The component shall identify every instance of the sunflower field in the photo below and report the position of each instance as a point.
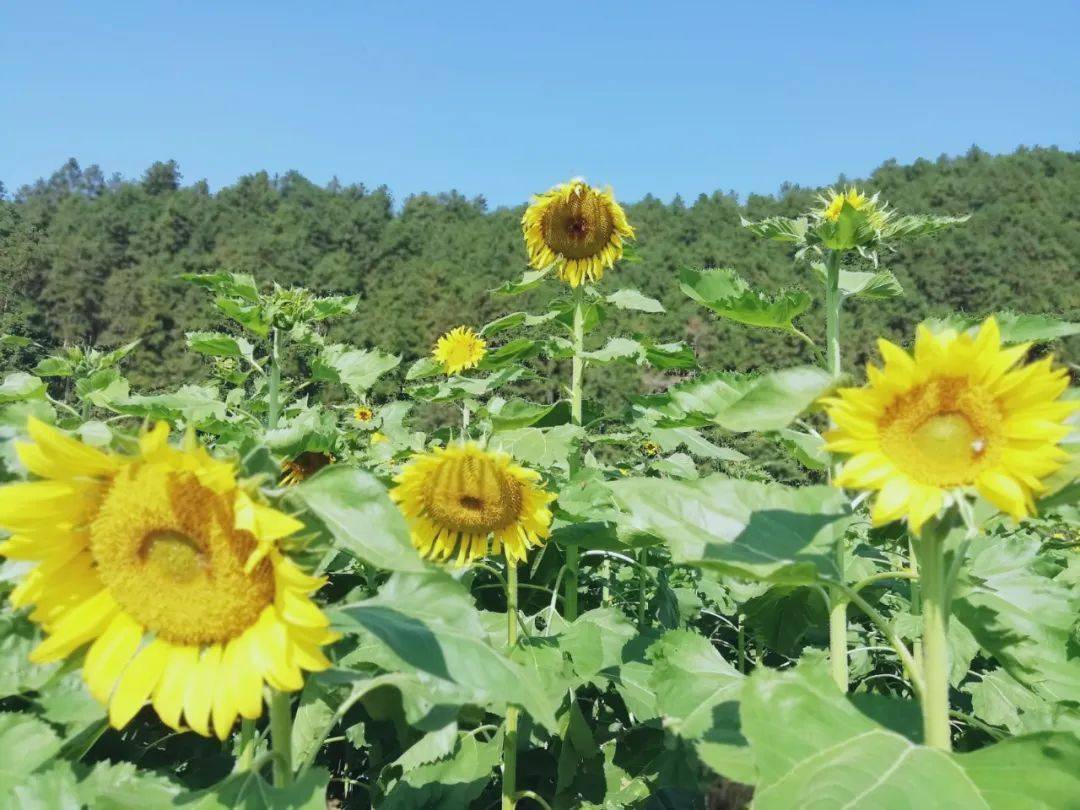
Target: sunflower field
(325, 578)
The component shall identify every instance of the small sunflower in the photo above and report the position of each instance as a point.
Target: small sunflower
(168, 572)
(960, 414)
(456, 498)
(301, 468)
(834, 201)
(362, 413)
(651, 449)
(577, 228)
(460, 349)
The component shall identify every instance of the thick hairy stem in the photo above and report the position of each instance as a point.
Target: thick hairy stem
(273, 384)
(935, 645)
(281, 737)
(510, 734)
(247, 745)
(570, 596)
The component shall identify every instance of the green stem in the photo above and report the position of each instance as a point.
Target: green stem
(510, 735)
(741, 642)
(913, 671)
(247, 745)
(916, 596)
(281, 737)
(273, 385)
(832, 312)
(570, 598)
(935, 645)
(643, 581)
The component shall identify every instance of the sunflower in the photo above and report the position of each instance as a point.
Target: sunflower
(834, 201)
(961, 414)
(460, 349)
(650, 449)
(577, 228)
(456, 498)
(301, 468)
(168, 572)
(362, 413)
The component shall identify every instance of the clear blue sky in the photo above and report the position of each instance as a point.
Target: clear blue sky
(507, 98)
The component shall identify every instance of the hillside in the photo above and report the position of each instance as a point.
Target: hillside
(87, 260)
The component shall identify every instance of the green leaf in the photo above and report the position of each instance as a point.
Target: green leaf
(634, 300)
(357, 511)
(18, 385)
(194, 403)
(515, 351)
(120, 786)
(539, 447)
(454, 782)
(667, 356)
(455, 388)
(312, 430)
(246, 791)
(104, 388)
(814, 748)
(428, 623)
(426, 366)
(1025, 619)
(529, 280)
(55, 367)
(741, 403)
(250, 316)
(729, 296)
(219, 344)
(878, 285)
(356, 369)
(1015, 328)
(808, 448)
(52, 789)
(905, 227)
(26, 744)
(697, 692)
(519, 413)
(514, 320)
(780, 229)
(15, 341)
(617, 348)
(742, 528)
(595, 640)
(314, 717)
(671, 439)
(239, 285)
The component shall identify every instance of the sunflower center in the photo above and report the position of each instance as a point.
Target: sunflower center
(471, 494)
(942, 433)
(174, 555)
(167, 550)
(579, 227)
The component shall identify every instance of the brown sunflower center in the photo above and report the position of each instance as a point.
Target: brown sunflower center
(471, 494)
(942, 433)
(168, 552)
(579, 227)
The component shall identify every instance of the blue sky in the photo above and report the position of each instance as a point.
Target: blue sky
(504, 98)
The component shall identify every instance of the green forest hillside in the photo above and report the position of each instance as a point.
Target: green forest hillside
(92, 261)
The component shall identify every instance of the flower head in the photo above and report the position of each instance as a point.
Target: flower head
(650, 448)
(959, 414)
(577, 228)
(303, 467)
(463, 499)
(460, 349)
(362, 413)
(168, 572)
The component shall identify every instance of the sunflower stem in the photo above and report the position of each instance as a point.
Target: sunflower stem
(570, 599)
(510, 735)
(935, 645)
(281, 737)
(642, 584)
(273, 384)
(832, 312)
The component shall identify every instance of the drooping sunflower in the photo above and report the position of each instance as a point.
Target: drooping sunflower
(168, 572)
(301, 468)
(961, 414)
(464, 499)
(576, 227)
(460, 349)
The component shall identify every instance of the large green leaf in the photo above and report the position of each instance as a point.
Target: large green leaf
(539, 447)
(219, 344)
(26, 744)
(248, 791)
(745, 528)
(19, 386)
(357, 511)
(428, 623)
(697, 693)
(728, 295)
(740, 403)
(863, 284)
(815, 748)
(632, 299)
(595, 640)
(781, 229)
(1023, 617)
(1015, 327)
(356, 369)
(193, 403)
(452, 782)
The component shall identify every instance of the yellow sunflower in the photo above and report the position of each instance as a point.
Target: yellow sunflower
(460, 349)
(458, 498)
(959, 415)
(577, 228)
(362, 413)
(168, 572)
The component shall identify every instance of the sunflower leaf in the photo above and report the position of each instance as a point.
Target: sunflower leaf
(728, 295)
(356, 369)
(634, 300)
